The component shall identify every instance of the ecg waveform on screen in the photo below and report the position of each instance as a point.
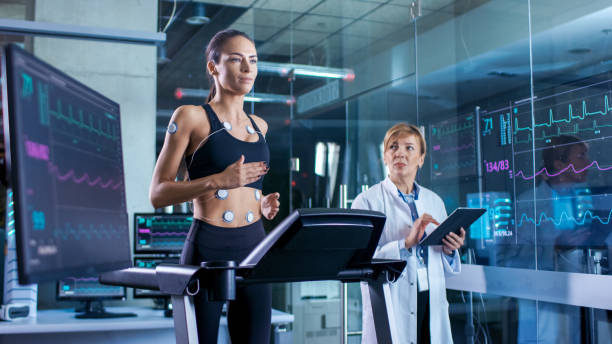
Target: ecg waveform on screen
(568, 167)
(84, 178)
(585, 116)
(567, 118)
(162, 233)
(453, 152)
(564, 216)
(86, 286)
(41, 152)
(455, 128)
(81, 120)
(575, 130)
(88, 232)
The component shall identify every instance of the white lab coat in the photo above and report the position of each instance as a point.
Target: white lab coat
(384, 197)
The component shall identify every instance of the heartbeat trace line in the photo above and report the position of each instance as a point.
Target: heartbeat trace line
(81, 122)
(564, 214)
(544, 170)
(569, 118)
(595, 128)
(453, 128)
(84, 178)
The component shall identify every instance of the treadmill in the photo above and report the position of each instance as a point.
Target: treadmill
(309, 245)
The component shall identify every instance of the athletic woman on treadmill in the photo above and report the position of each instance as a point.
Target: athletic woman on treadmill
(227, 155)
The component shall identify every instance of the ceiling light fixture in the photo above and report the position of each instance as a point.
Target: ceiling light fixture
(162, 58)
(286, 69)
(199, 15)
(255, 97)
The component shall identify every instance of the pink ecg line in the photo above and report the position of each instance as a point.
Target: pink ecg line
(544, 170)
(84, 178)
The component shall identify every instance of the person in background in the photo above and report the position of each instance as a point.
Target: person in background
(557, 237)
(418, 297)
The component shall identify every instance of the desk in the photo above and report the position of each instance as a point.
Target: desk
(148, 327)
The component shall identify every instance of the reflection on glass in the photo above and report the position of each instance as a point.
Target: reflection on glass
(516, 100)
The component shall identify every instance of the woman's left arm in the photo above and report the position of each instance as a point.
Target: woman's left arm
(453, 242)
(269, 203)
(450, 252)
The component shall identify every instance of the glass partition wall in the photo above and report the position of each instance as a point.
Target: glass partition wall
(514, 98)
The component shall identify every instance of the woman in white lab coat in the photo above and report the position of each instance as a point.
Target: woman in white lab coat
(418, 297)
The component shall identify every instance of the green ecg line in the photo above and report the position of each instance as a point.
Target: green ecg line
(569, 118)
(576, 130)
(455, 128)
(80, 122)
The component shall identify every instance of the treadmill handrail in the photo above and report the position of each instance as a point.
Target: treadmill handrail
(170, 279)
(142, 278)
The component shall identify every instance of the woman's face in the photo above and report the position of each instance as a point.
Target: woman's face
(403, 156)
(237, 67)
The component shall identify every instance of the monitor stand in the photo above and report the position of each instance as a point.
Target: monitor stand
(93, 309)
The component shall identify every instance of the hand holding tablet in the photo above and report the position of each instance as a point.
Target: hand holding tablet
(461, 217)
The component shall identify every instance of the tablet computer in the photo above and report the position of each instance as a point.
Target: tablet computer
(461, 217)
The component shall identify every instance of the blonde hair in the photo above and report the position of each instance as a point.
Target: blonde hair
(402, 129)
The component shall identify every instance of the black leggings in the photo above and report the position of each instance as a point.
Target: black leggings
(248, 316)
(423, 317)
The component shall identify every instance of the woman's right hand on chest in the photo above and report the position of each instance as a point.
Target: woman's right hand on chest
(241, 174)
(418, 228)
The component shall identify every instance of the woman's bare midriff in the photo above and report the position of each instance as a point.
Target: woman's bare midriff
(240, 201)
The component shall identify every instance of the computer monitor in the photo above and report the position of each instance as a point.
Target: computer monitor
(89, 290)
(160, 233)
(161, 300)
(151, 263)
(65, 160)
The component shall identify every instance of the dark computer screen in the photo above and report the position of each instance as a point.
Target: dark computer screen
(161, 233)
(66, 170)
(151, 263)
(87, 288)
